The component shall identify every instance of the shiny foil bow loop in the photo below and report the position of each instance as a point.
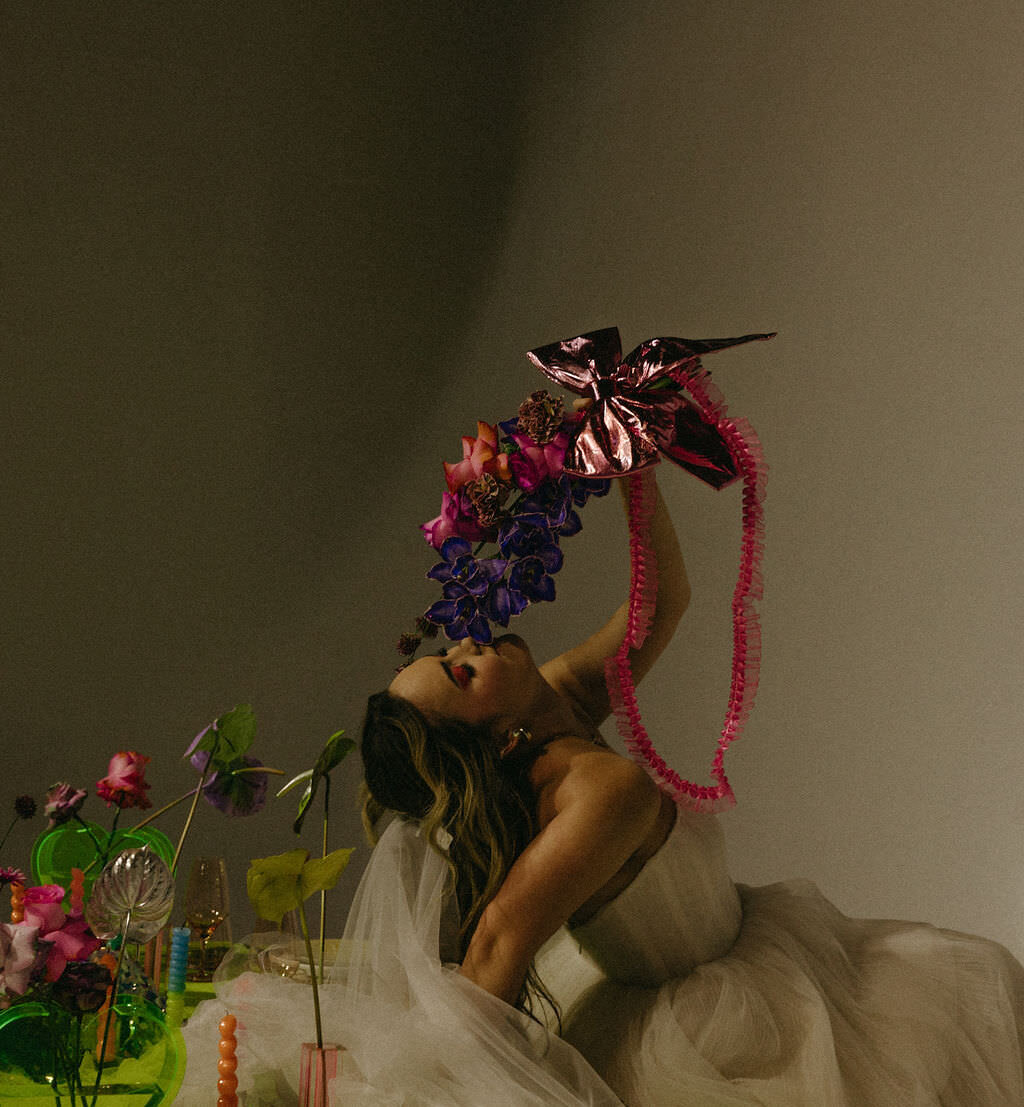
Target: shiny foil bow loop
(639, 410)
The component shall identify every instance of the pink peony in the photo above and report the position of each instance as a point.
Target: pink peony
(125, 783)
(479, 456)
(533, 464)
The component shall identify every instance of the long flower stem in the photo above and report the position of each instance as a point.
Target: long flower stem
(316, 999)
(3, 841)
(110, 1009)
(88, 829)
(192, 791)
(323, 891)
(190, 815)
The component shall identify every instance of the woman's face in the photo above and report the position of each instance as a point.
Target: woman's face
(476, 684)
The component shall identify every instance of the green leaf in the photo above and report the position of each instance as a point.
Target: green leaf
(334, 752)
(321, 874)
(295, 781)
(236, 731)
(274, 884)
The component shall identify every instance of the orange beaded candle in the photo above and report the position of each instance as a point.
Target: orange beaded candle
(227, 1084)
(17, 903)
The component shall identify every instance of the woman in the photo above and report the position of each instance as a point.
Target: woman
(689, 990)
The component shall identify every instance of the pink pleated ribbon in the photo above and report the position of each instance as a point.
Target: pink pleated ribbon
(635, 438)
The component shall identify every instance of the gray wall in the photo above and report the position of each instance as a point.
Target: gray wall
(264, 264)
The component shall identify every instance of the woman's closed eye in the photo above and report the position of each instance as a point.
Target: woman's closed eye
(459, 675)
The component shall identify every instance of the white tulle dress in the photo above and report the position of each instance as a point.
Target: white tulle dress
(685, 991)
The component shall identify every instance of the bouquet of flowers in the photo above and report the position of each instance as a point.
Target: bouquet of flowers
(51, 960)
(510, 491)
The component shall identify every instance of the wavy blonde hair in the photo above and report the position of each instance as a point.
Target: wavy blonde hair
(450, 777)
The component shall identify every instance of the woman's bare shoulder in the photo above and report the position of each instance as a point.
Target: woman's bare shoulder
(574, 771)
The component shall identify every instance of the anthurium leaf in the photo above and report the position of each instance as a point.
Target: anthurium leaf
(334, 752)
(320, 874)
(295, 781)
(274, 884)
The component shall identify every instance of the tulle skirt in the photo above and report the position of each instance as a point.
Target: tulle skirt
(814, 1009)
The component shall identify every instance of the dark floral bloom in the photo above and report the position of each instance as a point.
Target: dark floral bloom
(541, 416)
(408, 644)
(25, 807)
(464, 615)
(62, 803)
(551, 506)
(488, 497)
(530, 582)
(234, 792)
(425, 628)
(82, 987)
(585, 487)
(10, 875)
(473, 575)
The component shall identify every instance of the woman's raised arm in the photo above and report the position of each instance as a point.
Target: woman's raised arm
(579, 672)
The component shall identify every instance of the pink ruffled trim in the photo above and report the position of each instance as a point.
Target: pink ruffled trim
(746, 660)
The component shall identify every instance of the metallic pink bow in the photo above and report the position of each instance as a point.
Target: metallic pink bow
(638, 410)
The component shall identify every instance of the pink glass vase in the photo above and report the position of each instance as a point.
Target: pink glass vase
(317, 1069)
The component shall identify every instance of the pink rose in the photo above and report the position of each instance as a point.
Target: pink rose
(43, 907)
(125, 783)
(533, 464)
(479, 455)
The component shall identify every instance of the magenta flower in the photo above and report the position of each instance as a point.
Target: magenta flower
(67, 937)
(9, 875)
(125, 783)
(533, 464)
(458, 518)
(62, 803)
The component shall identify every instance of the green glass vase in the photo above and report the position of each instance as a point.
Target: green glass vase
(77, 845)
(48, 1055)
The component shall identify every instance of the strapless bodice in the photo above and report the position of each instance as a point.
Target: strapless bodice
(681, 911)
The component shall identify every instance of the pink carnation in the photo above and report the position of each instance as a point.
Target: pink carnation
(125, 783)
